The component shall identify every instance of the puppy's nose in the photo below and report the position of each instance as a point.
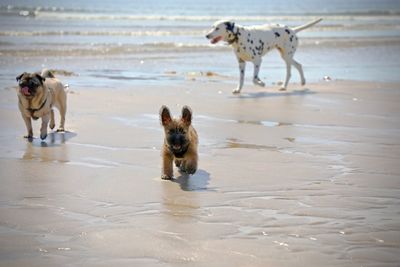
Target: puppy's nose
(208, 36)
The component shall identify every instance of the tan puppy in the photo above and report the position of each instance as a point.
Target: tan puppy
(37, 95)
(180, 143)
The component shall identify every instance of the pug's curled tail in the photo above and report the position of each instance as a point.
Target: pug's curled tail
(47, 74)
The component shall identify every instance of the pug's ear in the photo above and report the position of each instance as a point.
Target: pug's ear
(40, 77)
(186, 115)
(18, 78)
(165, 116)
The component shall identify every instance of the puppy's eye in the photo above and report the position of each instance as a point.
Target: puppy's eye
(181, 131)
(217, 28)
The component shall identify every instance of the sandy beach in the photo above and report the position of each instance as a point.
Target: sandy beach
(307, 177)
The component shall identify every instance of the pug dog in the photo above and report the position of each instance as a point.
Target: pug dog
(37, 95)
(180, 143)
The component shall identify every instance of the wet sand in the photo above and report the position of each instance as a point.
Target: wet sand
(307, 177)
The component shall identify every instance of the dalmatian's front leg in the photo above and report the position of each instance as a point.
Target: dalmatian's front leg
(242, 67)
(256, 80)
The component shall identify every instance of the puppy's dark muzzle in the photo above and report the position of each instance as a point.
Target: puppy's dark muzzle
(179, 153)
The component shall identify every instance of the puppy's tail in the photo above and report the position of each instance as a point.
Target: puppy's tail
(305, 26)
(47, 74)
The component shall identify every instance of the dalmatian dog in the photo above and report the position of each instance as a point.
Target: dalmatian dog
(253, 42)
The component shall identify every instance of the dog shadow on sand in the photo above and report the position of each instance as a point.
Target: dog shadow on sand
(196, 182)
(53, 139)
(300, 92)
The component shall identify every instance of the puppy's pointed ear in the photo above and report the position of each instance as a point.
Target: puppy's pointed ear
(186, 115)
(18, 78)
(165, 116)
(40, 78)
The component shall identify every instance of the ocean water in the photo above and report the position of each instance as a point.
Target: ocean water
(132, 41)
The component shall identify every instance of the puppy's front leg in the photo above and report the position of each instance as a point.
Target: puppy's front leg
(28, 124)
(167, 170)
(256, 79)
(242, 67)
(45, 123)
(190, 166)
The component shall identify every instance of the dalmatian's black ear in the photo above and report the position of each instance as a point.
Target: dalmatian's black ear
(230, 26)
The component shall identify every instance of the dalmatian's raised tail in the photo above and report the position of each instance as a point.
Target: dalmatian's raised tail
(305, 26)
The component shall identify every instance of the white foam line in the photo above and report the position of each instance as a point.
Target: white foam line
(209, 118)
(110, 147)
(270, 123)
(90, 165)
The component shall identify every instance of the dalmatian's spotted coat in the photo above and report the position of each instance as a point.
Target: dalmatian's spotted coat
(252, 43)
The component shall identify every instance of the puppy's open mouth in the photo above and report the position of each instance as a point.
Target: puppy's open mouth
(216, 39)
(25, 91)
(176, 147)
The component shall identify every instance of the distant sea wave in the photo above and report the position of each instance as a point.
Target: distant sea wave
(186, 31)
(81, 14)
(102, 33)
(161, 48)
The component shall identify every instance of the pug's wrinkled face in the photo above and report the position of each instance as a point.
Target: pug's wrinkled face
(29, 83)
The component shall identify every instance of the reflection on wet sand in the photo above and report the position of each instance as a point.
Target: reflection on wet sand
(183, 201)
(51, 149)
(256, 95)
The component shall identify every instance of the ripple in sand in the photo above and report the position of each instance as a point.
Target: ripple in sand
(281, 243)
(112, 148)
(144, 121)
(268, 123)
(95, 163)
(206, 118)
(235, 143)
(64, 249)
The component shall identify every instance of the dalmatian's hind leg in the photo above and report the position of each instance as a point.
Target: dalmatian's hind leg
(299, 67)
